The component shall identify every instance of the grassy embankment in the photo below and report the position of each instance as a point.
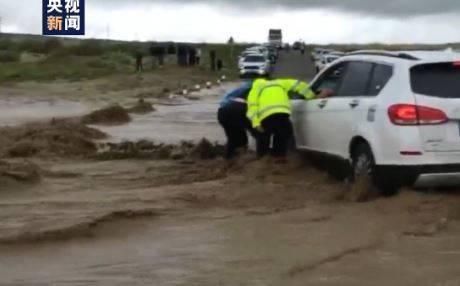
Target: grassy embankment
(37, 58)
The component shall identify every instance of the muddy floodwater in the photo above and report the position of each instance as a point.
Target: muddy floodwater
(74, 219)
(171, 124)
(18, 111)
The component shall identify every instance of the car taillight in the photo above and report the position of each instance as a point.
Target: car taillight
(410, 114)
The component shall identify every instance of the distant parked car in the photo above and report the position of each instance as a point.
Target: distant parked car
(393, 119)
(244, 55)
(318, 53)
(325, 61)
(297, 46)
(255, 65)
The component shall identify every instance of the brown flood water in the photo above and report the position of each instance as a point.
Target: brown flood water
(141, 222)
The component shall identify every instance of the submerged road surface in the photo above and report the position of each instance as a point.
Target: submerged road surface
(256, 227)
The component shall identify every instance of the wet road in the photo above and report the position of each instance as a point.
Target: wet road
(282, 237)
(295, 65)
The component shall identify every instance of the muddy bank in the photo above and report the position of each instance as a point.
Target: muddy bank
(58, 137)
(145, 149)
(142, 107)
(114, 114)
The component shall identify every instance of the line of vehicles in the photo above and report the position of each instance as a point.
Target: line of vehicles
(257, 60)
(324, 57)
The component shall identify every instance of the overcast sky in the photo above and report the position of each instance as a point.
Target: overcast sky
(317, 21)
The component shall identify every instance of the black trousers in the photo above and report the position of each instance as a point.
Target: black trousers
(279, 128)
(232, 118)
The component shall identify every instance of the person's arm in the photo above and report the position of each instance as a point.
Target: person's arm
(305, 90)
(299, 87)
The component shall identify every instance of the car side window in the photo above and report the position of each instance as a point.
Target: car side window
(331, 78)
(356, 79)
(380, 77)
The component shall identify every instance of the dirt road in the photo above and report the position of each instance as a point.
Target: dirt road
(201, 222)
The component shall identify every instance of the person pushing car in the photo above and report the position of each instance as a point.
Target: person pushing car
(269, 110)
(232, 117)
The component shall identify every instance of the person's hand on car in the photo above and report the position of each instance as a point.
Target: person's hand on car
(325, 93)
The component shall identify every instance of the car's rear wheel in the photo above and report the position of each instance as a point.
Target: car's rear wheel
(366, 179)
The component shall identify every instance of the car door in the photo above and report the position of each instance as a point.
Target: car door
(365, 112)
(307, 115)
(337, 117)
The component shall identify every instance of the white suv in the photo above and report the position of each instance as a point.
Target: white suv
(394, 117)
(255, 65)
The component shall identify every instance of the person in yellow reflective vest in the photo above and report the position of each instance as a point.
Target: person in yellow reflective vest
(269, 109)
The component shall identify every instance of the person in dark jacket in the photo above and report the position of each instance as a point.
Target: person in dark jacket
(212, 56)
(139, 66)
(232, 117)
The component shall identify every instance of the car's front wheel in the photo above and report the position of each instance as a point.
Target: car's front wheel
(366, 178)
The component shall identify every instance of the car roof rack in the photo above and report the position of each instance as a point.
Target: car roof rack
(398, 55)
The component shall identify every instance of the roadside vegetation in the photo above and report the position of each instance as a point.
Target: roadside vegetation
(37, 58)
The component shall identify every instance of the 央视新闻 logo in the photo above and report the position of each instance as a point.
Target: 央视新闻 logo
(63, 17)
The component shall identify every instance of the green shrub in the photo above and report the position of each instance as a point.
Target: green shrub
(102, 64)
(52, 44)
(5, 44)
(10, 56)
(87, 48)
(120, 58)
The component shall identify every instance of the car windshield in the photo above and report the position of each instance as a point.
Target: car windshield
(438, 79)
(254, 59)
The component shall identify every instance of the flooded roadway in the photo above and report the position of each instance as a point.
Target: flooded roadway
(317, 245)
(176, 121)
(19, 111)
(280, 227)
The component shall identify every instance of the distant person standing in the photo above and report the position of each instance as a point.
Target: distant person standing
(192, 56)
(161, 56)
(198, 56)
(139, 65)
(220, 64)
(181, 55)
(212, 56)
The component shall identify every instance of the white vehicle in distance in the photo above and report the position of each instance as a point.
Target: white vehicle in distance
(244, 55)
(255, 65)
(318, 53)
(260, 50)
(393, 119)
(325, 61)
